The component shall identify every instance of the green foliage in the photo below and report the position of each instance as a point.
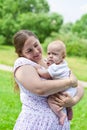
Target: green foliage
(80, 27)
(23, 6)
(49, 39)
(34, 15)
(66, 28)
(2, 39)
(39, 24)
(10, 11)
(8, 28)
(75, 46)
(29, 14)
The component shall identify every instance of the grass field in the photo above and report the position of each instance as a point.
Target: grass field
(79, 121)
(7, 55)
(10, 102)
(11, 106)
(77, 65)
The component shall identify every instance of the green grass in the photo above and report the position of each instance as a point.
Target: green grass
(77, 65)
(9, 101)
(10, 105)
(7, 55)
(79, 121)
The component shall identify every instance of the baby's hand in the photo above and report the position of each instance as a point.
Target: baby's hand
(38, 69)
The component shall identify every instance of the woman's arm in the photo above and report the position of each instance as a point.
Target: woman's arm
(28, 77)
(79, 95)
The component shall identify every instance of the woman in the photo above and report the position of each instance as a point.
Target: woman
(34, 91)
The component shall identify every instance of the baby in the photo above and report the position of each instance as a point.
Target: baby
(57, 69)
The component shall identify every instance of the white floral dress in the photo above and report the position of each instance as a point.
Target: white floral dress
(36, 113)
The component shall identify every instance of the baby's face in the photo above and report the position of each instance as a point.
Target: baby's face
(54, 54)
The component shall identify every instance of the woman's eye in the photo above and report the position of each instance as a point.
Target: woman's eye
(30, 50)
(36, 45)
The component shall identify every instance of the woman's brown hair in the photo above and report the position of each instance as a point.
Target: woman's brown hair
(19, 41)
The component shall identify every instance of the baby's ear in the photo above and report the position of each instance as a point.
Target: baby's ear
(64, 54)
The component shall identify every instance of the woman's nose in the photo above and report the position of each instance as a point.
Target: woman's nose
(35, 50)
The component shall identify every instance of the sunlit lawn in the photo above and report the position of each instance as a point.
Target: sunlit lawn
(10, 105)
(77, 65)
(79, 121)
(9, 101)
(7, 55)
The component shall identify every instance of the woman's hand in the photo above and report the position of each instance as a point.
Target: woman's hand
(61, 99)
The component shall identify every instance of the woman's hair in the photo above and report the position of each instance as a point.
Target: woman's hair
(19, 40)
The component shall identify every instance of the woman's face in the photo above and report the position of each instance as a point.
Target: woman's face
(32, 49)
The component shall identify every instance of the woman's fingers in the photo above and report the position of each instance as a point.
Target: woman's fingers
(55, 100)
(61, 99)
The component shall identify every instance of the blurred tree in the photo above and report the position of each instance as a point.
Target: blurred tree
(80, 27)
(22, 6)
(27, 14)
(66, 28)
(42, 24)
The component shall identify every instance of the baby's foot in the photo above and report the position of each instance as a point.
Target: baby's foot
(62, 118)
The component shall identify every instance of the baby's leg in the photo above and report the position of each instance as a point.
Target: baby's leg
(60, 114)
(62, 117)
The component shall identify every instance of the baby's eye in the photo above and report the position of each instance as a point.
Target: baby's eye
(54, 54)
(48, 53)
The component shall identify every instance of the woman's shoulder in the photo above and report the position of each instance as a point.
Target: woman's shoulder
(23, 61)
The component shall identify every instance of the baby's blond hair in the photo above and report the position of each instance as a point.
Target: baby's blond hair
(61, 46)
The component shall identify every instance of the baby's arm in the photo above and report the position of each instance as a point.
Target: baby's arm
(43, 73)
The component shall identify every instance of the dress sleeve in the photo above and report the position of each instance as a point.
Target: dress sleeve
(23, 61)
